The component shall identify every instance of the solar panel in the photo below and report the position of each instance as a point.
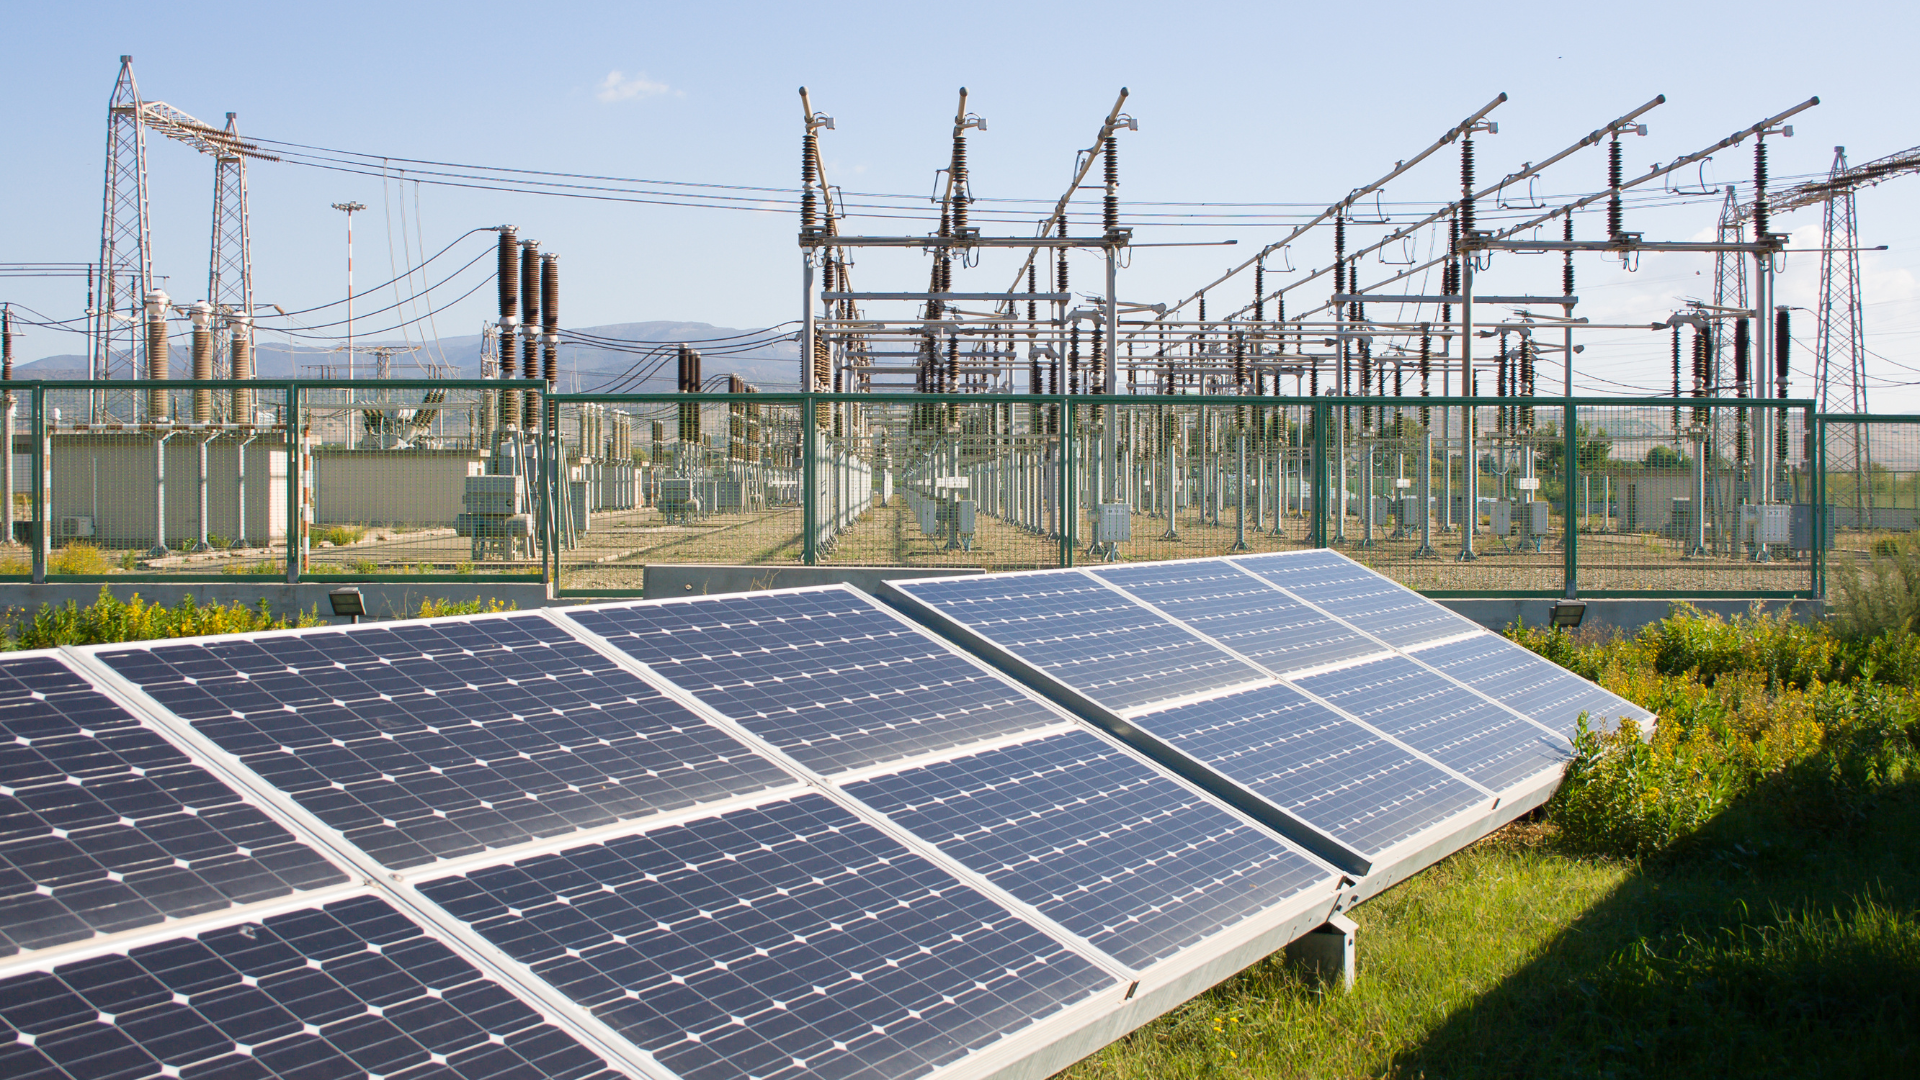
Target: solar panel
(1242, 612)
(785, 939)
(442, 738)
(1085, 635)
(1530, 683)
(1433, 714)
(106, 826)
(1116, 851)
(351, 989)
(1366, 792)
(1346, 590)
(822, 674)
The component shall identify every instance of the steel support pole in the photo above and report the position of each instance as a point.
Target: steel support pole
(1570, 455)
(1468, 466)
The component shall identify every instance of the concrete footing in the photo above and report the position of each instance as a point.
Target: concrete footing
(1327, 952)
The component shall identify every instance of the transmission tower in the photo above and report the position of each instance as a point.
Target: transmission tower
(1840, 367)
(230, 265)
(126, 260)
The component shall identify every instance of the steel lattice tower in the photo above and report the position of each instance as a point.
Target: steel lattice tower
(126, 259)
(230, 263)
(1729, 289)
(1840, 383)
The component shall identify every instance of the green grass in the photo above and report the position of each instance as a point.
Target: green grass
(1734, 896)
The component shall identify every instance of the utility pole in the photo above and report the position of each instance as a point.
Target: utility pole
(348, 208)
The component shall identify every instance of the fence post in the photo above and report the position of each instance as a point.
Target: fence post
(809, 504)
(1817, 435)
(1317, 530)
(1069, 500)
(296, 477)
(41, 518)
(552, 466)
(1570, 474)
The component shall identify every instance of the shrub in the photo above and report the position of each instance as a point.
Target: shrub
(339, 535)
(1880, 596)
(431, 608)
(264, 567)
(364, 566)
(108, 620)
(77, 557)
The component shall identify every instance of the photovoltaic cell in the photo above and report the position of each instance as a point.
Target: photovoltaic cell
(440, 739)
(1442, 719)
(1349, 591)
(105, 826)
(785, 940)
(353, 989)
(1323, 768)
(1097, 840)
(1242, 612)
(1531, 683)
(1084, 634)
(823, 675)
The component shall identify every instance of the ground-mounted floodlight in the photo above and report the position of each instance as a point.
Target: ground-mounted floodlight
(347, 603)
(1566, 614)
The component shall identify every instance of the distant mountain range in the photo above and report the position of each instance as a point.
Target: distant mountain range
(772, 366)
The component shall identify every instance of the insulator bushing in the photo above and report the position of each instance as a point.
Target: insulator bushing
(1110, 202)
(1259, 293)
(1466, 183)
(1740, 362)
(1615, 175)
(809, 172)
(509, 277)
(1760, 189)
(1566, 268)
(959, 178)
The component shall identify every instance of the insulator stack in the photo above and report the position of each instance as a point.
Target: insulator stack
(1566, 268)
(550, 316)
(689, 384)
(1073, 359)
(1501, 389)
(1240, 363)
(959, 180)
(529, 332)
(1339, 253)
(952, 384)
(1615, 176)
(1097, 369)
(1740, 362)
(240, 349)
(1466, 184)
(1701, 354)
(1450, 277)
(1782, 337)
(1526, 383)
(1110, 202)
(1760, 189)
(203, 361)
(1426, 371)
(509, 278)
(1060, 264)
(1676, 379)
(822, 377)
(6, 345)
(1033, 310)
(809, 179)
(1259, 293)
(156, 354)
(1034, 385)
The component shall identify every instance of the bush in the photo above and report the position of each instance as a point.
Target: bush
(364, 567)
(77, 557)
(431, 608)
(339, 535)
(265, 567)
(1883, 595)
(108, 620)
(1788, 723)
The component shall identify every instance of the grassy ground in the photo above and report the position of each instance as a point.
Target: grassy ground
(1735, 896)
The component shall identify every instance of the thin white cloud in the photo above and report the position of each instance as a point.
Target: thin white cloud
(618, 86)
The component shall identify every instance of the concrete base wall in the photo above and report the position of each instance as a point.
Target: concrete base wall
(696, 579)
(1626, 615)
(394, 600)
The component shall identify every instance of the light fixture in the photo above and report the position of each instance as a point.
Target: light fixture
(347, 603)
(1566, 614)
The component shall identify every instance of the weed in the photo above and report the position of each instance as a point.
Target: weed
(263, 568)
(129, 560)
(108, 619)
(364, 567)
(431, 608)
(339, 535)
(1882, 595)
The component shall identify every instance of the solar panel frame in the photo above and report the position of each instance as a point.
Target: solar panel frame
(186, 731)
(1513, 662)
(1424, 621)
(239, 811)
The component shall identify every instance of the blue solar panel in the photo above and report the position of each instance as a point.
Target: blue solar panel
(1085, 635)
(1097, 840)
(821, 674)
(1242, 612)
(105, 826)
(1346, 590)
(1335, 775)
(1442, 719)
(1531, 683)
(785, 940)
(439, 739)
(353, 989)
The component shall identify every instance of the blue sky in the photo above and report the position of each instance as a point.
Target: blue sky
(1237, 103)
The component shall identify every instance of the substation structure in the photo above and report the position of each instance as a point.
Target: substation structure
(1177, 418)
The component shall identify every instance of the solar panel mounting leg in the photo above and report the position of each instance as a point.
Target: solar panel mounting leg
(1327, 952)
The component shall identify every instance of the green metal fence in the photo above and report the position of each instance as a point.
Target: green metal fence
(487, 481)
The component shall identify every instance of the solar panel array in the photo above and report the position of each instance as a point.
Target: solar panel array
(1347, 706)
(771, 835)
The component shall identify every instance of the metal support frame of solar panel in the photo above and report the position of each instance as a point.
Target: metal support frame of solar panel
(1066, 1035)
(106, 807)
(1247, 627)
(971, 793)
